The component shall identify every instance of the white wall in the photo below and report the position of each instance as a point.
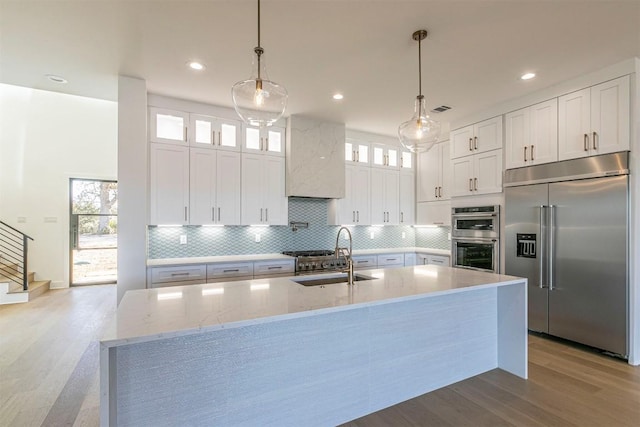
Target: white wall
(45, 139)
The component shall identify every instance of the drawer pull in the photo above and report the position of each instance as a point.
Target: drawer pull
(234, 270)
(362, 262)
(275, 267)
(179, 274)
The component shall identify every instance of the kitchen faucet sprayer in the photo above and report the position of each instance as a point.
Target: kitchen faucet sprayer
(346, 254)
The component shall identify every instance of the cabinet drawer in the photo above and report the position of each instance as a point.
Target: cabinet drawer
(263, 268)
(409, 260)
(439, 260)
(178, 274)
(390, 259)
(369, 261)
(218, 271)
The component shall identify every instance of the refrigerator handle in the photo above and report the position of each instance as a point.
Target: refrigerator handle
(552, 236)
(542, 224)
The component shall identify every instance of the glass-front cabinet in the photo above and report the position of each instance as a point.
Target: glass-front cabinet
(211, 132)
(356, 152)
(269, 140)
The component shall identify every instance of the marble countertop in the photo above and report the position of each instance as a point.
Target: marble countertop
(150, 314)
(165, 262)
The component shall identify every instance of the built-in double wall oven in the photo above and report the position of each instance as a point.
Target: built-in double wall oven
(475, 237)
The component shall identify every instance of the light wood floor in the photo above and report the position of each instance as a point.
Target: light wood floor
(49, 376)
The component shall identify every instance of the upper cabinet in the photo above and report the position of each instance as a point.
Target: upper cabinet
(407, 198)
(263, 193)
(268, 140)
(356, 152)
(168, 126)
(434, 169)
(594, 120)
(477, 138)
(477, 174)
(355, 207)
(385, 156)
(532, 135)
(169, 184)
(406, 160)
(385, 200)
(211, 132)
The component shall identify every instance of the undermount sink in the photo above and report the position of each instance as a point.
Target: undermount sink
(342, 278)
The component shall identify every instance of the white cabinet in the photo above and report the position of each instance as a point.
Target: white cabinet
(594, 120)
(355, 207)
(274, 268)
(229, 272)
(365, 261)
(434, 170)
(356, 151)
(263, 190)
(407, 198)
(406, 160)
(426, 259)
(409, 259)
(434, 213)
(267, 140)
(477, 138)
(169, 184)
(212, 132)
(532, 135)
(385, 202)
(390, 260)
(215, 188)
(168, 126)
(477, 174)
(385, 156)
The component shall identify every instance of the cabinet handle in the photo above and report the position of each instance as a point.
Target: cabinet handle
(233, 270)
(218, 214)
(219, 138)
(213, 213)
(475, 184)
(475, 142)
(586, 142)
(525, 153)
(402, 217)
(266, 144)
(358, 156)
(185, 134)
(532, 153)
(470, 144)
(185, 213)
(435, 192)
(357, 216)
(470, 184)
(266, 215)
(278, 267)
(594, 141)
(440, 192)
(354, 216)
(179, 274)
(353, 156)
(260, 214)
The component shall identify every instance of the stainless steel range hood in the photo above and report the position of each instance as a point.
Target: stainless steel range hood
(315, 158)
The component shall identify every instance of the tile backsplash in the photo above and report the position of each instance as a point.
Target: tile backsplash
(164, 242)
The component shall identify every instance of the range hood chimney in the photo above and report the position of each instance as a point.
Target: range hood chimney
(315, 158)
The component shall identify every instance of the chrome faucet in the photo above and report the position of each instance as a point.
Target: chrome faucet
(346, 254)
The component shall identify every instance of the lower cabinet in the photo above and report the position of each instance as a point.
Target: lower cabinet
(409, 260)
(365, 261)
(390, 260)
(276, 268)
(229, 272)
(159, 277)
(426, 259)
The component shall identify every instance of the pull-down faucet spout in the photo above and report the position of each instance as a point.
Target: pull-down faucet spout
(346, 254)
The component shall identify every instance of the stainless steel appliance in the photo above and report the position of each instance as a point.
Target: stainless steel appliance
(475, 238)
(567, 232)
(312, 262)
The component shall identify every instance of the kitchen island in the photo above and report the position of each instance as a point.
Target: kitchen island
(275, 352)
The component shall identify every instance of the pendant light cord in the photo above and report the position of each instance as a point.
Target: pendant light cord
(419, 65)
(258, 50)
(259, 23)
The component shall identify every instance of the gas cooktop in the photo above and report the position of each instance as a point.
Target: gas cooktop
(319, 261)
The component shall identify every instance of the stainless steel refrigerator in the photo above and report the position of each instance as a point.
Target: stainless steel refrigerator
(567, 232)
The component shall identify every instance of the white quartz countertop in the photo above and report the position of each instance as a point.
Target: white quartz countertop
(165, 262)
(150, 314)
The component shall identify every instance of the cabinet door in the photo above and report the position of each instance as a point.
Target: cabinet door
(610, 116)
(487, 135)
(228, 188)
(169, 184)
(378, 214)
(253, 140)
(462, 176)
(360, 191)
(344, 209)
(429, 173)
(574, 116)
(392, 196)
(544, 132)
(203, 131)
(273, 189)
(229, 135)
(434, 213)
(356, 151)
(202, 194)
(168, 126)
(518, 133)
(274, 140)
(406, 160)
(407, 198)
(488, 172)
(444, 192)
(462, 142)
(384, 156)
(252, 181)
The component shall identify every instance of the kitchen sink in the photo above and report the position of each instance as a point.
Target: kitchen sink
(342, 278)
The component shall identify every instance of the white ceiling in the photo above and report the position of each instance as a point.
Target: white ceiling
(475, 52)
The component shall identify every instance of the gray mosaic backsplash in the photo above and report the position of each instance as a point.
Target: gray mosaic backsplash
(164, 242)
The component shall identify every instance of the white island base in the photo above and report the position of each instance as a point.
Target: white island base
(273, 352)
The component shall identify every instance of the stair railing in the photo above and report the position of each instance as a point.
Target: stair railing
(13, 255)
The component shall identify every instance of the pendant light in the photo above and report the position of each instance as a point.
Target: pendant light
(420, 132)
(258, 100)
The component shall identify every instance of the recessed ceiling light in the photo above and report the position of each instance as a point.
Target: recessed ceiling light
(195, 65)
(56, 79)
(338, 96)
(528, 76)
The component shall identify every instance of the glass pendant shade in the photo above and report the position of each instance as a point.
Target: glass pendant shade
(259, 101)
(419, 133)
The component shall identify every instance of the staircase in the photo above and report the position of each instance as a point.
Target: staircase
(16, 283)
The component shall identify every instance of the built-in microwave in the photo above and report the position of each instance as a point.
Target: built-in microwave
(475, 238)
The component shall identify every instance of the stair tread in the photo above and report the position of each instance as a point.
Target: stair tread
(32, 287)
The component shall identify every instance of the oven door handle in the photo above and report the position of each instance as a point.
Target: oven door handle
(475, 215)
